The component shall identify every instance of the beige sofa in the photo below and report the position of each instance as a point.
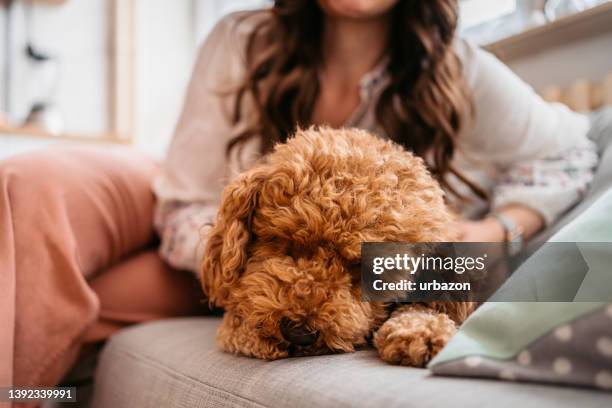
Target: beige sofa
(175, 363)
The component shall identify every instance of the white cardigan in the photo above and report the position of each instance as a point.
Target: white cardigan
(519, 147)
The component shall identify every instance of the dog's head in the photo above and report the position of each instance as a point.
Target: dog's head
(283, 257)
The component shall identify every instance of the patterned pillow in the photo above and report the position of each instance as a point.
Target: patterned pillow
(563, 343)
(577, 352)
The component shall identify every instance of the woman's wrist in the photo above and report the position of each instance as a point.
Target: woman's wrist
(485, 230)
(527, 221)
(495, 231)
(513, 232)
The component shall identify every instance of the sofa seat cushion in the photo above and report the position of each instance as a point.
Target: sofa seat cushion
(175, 363)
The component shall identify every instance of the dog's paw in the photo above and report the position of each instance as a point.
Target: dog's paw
(413, 338)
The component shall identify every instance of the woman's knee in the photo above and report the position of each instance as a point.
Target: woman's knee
(102, 198)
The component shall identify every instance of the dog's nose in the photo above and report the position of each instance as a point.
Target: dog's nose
(297, 334)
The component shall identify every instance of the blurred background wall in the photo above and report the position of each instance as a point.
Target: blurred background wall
(76, 33)
(164, 36)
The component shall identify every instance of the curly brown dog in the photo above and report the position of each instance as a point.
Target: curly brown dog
(283, 257)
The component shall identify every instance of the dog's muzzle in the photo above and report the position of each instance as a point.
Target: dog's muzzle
(296, 334)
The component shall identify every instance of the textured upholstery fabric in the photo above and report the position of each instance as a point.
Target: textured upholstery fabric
(175, 363)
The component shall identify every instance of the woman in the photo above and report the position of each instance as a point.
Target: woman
(510, 162)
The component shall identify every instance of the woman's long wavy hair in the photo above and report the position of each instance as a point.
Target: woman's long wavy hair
(423, 107)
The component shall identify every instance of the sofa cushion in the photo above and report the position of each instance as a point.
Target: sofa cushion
(175, 363)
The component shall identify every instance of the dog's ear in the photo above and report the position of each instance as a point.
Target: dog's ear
(226, 250)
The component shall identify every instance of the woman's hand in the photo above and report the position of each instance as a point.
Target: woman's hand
(486, 230)
(490, 229)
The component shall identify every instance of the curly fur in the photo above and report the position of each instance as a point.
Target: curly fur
(287, 242)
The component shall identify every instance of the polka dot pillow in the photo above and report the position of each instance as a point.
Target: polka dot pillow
(576, 352)
(551, 342)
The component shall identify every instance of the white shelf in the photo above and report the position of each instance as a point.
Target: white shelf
(588, 23)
